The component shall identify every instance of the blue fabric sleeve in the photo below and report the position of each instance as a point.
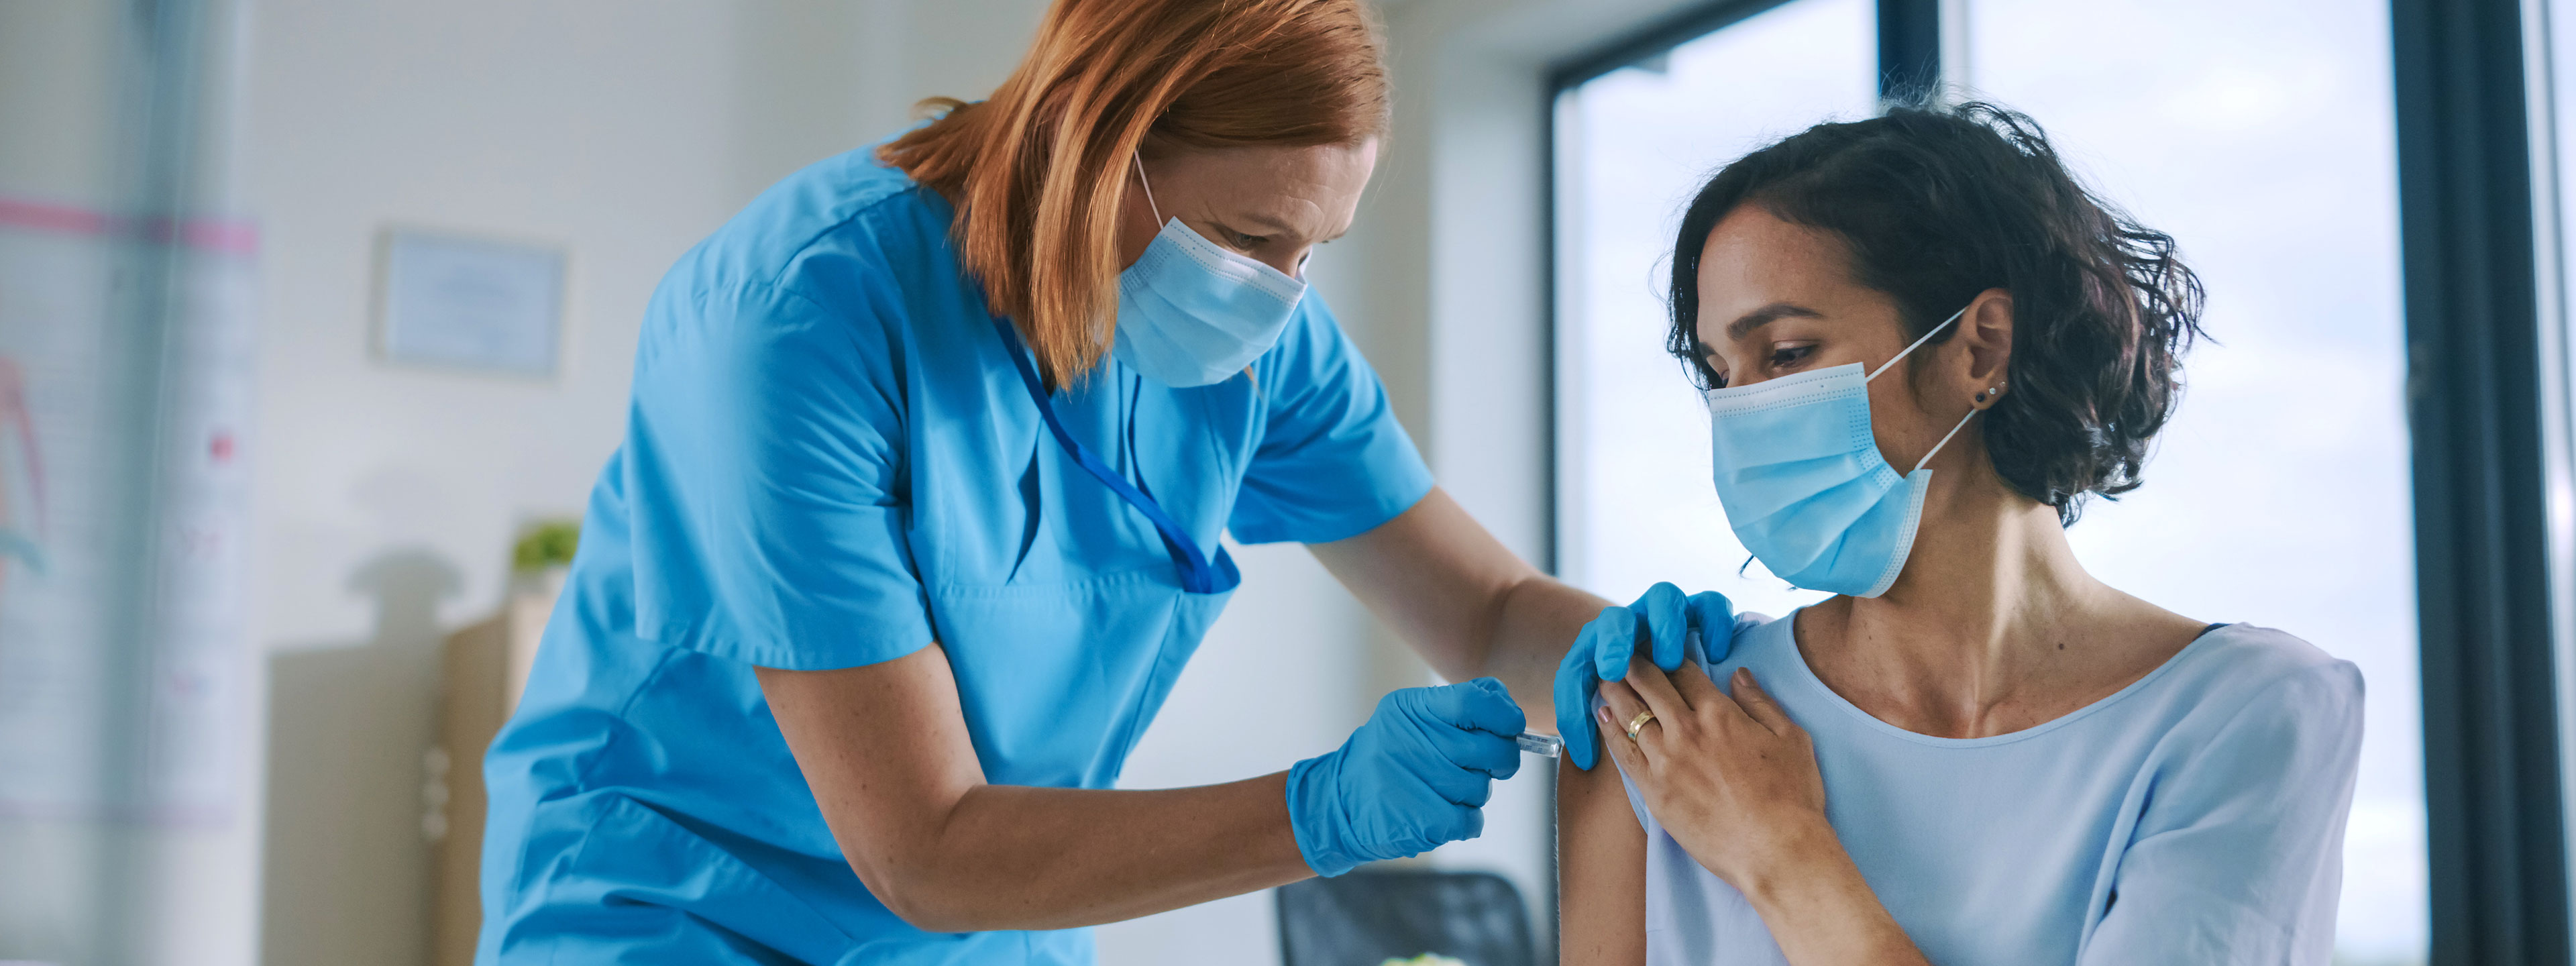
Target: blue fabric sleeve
(765, 475)
(2238, 858)
(1332, 462)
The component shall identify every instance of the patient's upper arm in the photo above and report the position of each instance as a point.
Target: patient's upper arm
(1601, 868)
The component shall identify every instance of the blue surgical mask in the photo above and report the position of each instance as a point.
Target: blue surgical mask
(1802, 482)
(1192, 313)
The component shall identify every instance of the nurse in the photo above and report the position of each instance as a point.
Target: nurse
(917, 517)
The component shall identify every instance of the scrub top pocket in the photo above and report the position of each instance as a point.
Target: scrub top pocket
(640, 888)
(1047, 704)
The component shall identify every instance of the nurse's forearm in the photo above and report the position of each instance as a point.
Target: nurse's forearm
(1469, 605)
(885, 749)
(1014, 857)
(1541, 617)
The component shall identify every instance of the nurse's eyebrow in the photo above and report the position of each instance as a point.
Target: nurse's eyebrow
(1749, 321)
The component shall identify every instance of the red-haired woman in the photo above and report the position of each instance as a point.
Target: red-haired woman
(916, 522)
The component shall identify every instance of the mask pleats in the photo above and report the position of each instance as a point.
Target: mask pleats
(1802, 481)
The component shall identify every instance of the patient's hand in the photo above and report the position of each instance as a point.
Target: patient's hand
(1731, 778)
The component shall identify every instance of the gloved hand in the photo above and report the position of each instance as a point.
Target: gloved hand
(1601, 652)
(1415, 776)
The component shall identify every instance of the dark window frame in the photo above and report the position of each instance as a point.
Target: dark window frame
(2468, 261)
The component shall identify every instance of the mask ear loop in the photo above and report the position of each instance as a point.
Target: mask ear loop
(1149, 190)
(1963, 420)
(1983, 400)
(1945, 440)
(1873, 374)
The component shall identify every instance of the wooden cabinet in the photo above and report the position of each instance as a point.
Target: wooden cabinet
(486, 668)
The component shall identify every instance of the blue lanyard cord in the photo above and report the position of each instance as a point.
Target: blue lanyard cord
(1198, 576)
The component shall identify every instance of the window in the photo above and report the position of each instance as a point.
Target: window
(2259, 135)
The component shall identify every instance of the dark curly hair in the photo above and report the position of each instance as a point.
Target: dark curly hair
(1937, 203)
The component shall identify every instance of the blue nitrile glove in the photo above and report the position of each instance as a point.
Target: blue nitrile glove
(1601, 653)
(1415, 776)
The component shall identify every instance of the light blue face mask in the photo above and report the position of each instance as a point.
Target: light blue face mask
(1191, 313)
(1802, 481)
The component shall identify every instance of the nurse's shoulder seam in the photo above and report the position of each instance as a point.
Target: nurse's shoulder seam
(778, 233)
(873, 200)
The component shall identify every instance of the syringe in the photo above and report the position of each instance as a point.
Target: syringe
(1551, 746)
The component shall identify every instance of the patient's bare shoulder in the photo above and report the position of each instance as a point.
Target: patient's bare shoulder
(1601, 868)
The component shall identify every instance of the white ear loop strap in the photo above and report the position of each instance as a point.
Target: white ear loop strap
(1873, 374)
(1149, 190)
(1945, 440)
(1909, 350)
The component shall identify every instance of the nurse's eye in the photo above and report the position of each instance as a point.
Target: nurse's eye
(1242, 240)
(1783, 357)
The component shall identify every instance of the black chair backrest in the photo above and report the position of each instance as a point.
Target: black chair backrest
(1368, 916)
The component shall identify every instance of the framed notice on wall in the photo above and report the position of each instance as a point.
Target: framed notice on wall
(460, 302)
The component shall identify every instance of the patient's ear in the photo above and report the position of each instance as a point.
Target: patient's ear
(1985, 332)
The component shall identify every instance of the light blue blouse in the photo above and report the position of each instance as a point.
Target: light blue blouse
(2196, 816)
(830, 461)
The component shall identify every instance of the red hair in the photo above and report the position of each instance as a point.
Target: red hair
(1039, 171)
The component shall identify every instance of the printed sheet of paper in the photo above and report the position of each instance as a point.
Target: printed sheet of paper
(84, 450)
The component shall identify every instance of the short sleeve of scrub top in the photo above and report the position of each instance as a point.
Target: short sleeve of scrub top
(764, 467)
(1333, 463)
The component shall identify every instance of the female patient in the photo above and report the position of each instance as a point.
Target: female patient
(1977, 753)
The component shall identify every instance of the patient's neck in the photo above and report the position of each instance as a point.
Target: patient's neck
(1992, 627)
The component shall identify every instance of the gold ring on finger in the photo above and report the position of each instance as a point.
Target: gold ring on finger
(1639, 722)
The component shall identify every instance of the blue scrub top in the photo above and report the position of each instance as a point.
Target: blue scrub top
(831, 462)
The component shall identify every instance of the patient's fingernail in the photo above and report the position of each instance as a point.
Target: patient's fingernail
(1743, 676)
(1603, 713)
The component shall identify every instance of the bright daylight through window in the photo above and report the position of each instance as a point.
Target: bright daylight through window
(2289, 450)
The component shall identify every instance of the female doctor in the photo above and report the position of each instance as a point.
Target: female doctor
(916, 522)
